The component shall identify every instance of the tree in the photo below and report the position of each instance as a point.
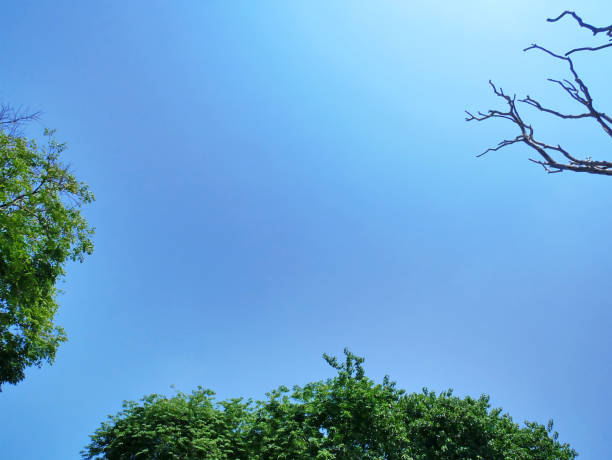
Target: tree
(184, 426)
(347, 417)
(554, 158)
(41, 228)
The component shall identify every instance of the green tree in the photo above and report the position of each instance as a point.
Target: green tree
(348, 416)
(446, 427)
(185, 426)
(41, 228)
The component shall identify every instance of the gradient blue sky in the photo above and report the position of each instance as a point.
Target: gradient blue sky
(276, 180)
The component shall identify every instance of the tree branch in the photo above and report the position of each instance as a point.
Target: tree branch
(596, 30)
(11, 119)
(588, 48)
(580, 94)
(544, 150)
(554, 158)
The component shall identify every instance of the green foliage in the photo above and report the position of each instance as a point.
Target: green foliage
(41, 228)
(185, 426)
(447, 427)
(345, 417)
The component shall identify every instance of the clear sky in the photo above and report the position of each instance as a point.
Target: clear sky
(275, 180)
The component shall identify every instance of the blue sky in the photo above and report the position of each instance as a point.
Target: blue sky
(275, 180)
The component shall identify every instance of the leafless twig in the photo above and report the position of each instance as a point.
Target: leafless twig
(12, 119)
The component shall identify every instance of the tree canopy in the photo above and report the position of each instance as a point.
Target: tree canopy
(41, 228)
(348, 416)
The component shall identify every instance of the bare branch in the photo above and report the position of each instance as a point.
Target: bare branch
(580, 93)
(554, 158)
(537, 105)
(12, 120)
(596, 30)
(544, 150)
(589, 48)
